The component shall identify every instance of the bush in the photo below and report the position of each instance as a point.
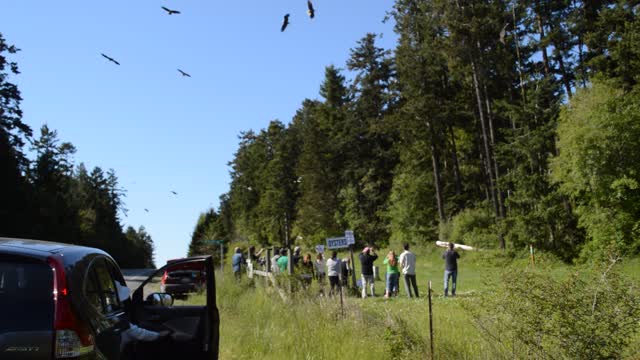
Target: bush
(599, 152)
(401, 341)
(475, 227)
(589, 315)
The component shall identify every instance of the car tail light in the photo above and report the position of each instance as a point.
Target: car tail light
(71, 338)
(163, 281)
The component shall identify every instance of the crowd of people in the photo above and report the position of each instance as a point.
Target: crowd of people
(338, 271)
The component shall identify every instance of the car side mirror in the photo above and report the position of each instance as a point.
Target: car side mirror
(160, 299)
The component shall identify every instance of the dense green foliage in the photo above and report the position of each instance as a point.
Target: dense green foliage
(588, 315)
(51, 198)
(599, 162)
(452, 134)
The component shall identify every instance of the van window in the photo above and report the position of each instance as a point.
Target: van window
(26, 295)
(92, 290)
(100, 289)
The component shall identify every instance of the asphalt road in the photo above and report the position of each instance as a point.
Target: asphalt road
(135, 277)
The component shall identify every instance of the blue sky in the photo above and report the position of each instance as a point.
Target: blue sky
(158, 130)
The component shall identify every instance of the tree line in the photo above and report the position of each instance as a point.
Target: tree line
(51, 198)
(492, 123)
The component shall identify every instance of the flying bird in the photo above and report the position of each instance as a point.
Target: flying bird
(285, 23)
(169, 11)
(174, 193)
(311, 11)
(147, 210)
(503, 33)
(184, 73)
(110, 59)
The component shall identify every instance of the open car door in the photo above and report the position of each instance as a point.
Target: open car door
(179, 297)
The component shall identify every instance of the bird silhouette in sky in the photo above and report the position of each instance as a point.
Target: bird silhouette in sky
(110, 59)
(174, 193)
(147, 210)
(310, 10)
(184, 73)
(169, 11)
(285, 23)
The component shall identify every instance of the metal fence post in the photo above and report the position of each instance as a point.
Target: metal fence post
(353, 269)
(268, 266)
(533, 256)
(430, 322)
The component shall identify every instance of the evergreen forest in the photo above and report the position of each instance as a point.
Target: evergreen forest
(45, 195)
(496, 124)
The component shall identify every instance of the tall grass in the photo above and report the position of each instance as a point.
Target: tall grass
(257, 324)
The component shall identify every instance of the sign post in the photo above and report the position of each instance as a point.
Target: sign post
(221, 243)
(337, 243)
(347, 241)
(351, 240)
(348, 234)
(430, 322)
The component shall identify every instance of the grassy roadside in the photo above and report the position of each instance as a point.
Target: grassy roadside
(257, 324)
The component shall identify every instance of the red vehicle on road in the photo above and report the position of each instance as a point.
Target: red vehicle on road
(182, 279)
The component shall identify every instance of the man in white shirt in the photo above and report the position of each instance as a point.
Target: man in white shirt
(274, 260)
(408, 264)
(333, 271)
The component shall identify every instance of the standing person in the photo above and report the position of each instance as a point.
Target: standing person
(450, 269)
(283, 261)
(320, 272)
(306, 270)
(393, 274)
(253, 255)
(408, 266)
(367, 257)
(296, 257)
(345, 271)
(236, 261)
(333, 271)
(274, 260)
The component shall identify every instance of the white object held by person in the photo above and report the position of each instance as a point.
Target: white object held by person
(445, 244)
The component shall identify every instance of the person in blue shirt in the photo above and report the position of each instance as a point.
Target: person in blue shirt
(236, 261)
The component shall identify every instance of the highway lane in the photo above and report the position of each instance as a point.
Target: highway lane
(135, 277)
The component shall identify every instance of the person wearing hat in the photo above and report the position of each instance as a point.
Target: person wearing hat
(367, 257)
(236, 261)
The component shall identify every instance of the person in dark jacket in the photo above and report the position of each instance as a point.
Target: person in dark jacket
(296, 257)
(345, 271)
(367, 257)
(450, 269)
